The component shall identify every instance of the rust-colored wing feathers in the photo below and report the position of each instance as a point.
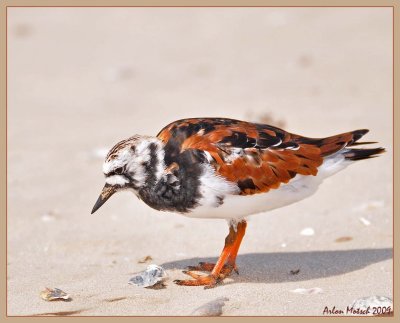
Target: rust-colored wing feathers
(255, 156)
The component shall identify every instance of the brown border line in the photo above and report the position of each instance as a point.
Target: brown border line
(206, 3)
(199, 6)
(200, 3)
(396, 152)
(3, 144)
(394, 13)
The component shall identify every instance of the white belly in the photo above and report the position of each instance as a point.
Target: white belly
(239, 206)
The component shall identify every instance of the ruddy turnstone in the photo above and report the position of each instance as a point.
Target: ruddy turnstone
(226, 169)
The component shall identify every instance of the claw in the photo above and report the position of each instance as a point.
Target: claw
(191, 274)
(202, 266)
(209, 281)
(198, 281)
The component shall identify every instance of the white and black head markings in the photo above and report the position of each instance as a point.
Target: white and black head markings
(134, 163)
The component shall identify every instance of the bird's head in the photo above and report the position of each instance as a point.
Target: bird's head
(128, 165)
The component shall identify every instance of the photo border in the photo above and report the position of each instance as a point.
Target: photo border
(181, 3)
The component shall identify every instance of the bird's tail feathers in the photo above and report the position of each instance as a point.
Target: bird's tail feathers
(362, 153)
(344, 142)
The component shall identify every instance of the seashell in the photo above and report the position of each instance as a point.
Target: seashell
(55, 294)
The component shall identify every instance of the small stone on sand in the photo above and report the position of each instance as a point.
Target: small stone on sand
(309, 291)
(365, 221)
(145, 259)
(343, 239)
(307, 232)
(55, 294)
(151, 276)
(213, 308)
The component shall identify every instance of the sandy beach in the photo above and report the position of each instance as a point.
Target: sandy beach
(80, 80)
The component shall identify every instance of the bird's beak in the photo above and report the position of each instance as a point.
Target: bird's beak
(105, 194)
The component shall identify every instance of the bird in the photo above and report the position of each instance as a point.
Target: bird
(223, 168)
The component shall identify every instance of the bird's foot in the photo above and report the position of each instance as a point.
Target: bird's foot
(208, 281)
(208, 266)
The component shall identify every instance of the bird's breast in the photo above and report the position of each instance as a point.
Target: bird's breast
(234, 206)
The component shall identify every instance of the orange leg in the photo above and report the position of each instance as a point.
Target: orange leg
(225, 264)
(241, 230)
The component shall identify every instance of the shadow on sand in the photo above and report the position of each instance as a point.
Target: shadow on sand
(277, 267)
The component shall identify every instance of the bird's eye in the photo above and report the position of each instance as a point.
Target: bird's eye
(118, 171)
